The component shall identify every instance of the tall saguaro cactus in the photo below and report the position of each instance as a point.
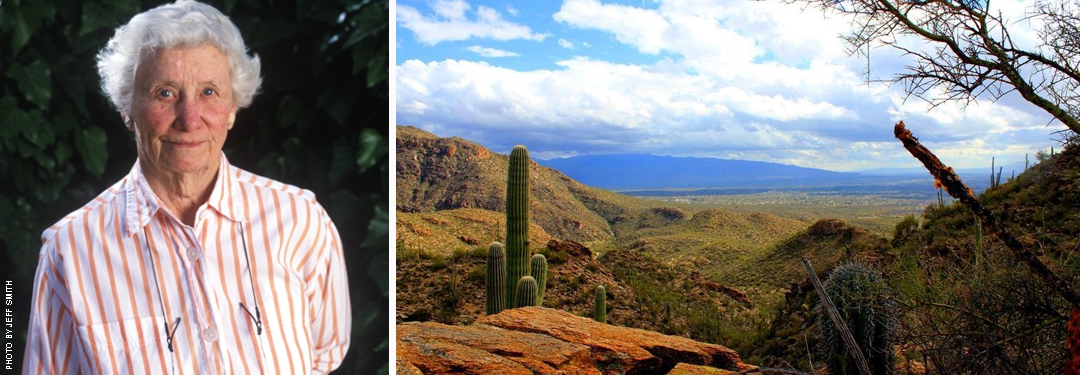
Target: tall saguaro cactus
(539, 270)
(496, 278)
(517, 220)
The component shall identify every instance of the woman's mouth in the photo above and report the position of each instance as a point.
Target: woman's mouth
(184, 145)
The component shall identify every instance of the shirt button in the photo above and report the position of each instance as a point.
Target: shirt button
(210, 335)
(194, 253)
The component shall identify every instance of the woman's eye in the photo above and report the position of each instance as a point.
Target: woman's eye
(208, 92)
(165, 93)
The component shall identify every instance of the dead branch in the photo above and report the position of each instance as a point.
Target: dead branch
(964, 194)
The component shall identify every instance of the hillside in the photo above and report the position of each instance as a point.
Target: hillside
(440, 174)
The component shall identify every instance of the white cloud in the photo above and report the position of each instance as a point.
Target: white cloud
(641, 28)
(510, 9)
(490, 52)
(451, 22)
(746, 79)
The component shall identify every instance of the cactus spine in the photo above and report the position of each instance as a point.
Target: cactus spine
(526, 292)
(600, 305)
(861, 298)
(496, 278)
(539, 271)
(517, 220)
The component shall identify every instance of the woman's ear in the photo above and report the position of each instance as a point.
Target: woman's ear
(232, 119)
(127, 121)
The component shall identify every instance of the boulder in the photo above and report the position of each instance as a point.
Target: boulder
(570, 247)
(538, 340)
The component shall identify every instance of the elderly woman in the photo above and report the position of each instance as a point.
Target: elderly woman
(188, 264)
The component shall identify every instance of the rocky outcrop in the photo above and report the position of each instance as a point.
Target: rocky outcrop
(571, 248)
(537, 340)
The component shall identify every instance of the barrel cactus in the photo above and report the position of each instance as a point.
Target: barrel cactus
(862, 299)
(496, 278)
(539, 270)
(600, 305)
(517, 220)
(525, 294)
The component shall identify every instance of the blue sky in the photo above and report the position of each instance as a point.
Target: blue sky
(751, 80)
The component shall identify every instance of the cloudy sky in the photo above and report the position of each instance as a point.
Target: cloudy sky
(751, 80)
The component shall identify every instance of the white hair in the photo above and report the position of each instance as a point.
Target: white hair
(185, 23)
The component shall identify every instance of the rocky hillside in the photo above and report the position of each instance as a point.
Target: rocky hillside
(451, 290)
(438, 174)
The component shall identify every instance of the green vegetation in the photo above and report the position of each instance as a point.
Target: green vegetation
(877, 213)
(319, 123)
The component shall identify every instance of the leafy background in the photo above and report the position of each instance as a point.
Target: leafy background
(320, 122)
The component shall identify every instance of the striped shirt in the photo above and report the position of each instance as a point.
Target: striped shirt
(114, 273)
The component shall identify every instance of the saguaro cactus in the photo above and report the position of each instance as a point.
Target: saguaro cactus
(526, 292)
(539, 270)
(861, 298)
(600, 305)
(517, 220)
(496, 278)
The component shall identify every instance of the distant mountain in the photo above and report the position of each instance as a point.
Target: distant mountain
(635, 171)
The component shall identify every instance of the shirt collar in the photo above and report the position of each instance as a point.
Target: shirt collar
(142, 204)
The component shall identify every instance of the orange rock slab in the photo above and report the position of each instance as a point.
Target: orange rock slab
(538, 340)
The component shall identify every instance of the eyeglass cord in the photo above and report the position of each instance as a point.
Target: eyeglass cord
(169, 334)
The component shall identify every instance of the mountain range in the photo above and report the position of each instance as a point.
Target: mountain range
(640, 174)
(637, 171)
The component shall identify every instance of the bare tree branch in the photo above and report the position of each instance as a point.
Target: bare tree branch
(971, 52)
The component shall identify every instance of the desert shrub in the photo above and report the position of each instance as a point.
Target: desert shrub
(904, 231)
(438, 261)
(477, 274)
(480, 252)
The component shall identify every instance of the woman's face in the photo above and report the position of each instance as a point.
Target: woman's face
(183, 108)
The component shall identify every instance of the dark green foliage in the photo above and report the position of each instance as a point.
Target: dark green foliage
(904, 230)
(525, 292)
(496, 278)
(538, 268)
(600, 305)
(320, 123)
(517, 220)
(862, 298)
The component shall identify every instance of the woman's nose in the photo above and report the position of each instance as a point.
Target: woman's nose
(188, 113)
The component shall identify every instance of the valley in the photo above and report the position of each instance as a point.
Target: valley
(722, 265)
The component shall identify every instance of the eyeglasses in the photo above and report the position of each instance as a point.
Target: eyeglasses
(170, 333)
